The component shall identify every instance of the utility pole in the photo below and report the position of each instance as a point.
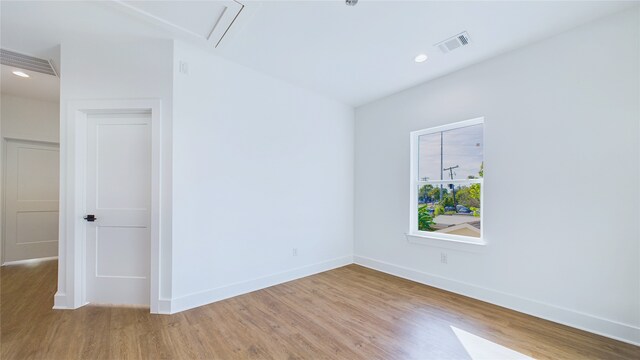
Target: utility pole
(450, 170)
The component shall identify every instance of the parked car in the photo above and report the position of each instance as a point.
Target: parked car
(463, 209)
(449, 208)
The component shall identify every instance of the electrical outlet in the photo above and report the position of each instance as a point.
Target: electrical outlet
(444, 258)
(295, 251)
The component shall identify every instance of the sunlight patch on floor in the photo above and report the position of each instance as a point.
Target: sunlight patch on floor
(482, 349)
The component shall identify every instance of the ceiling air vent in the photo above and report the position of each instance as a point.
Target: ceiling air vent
(453, 43)
(26, 62)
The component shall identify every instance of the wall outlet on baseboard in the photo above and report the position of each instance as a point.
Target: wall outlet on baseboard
(444, 258)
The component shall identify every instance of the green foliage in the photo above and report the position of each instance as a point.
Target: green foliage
(466, 196)
(425, 220)
(434, 192)
(470, 196)
(474, 192)
(447, 200)
(425, 192)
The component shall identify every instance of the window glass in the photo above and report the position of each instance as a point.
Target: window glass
(446, 188)
(451, 154)
(450, 208)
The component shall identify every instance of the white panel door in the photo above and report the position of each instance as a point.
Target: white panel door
(31, 200)
(118, 194)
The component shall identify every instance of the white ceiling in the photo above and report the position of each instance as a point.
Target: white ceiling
(36, 86)
(36, 28)
(205, 20)
(352, 54)
(357, 54)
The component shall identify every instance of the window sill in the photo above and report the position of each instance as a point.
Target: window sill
(456, 244)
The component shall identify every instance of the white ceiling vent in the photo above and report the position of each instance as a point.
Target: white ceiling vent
(26, 62)
(454, 42)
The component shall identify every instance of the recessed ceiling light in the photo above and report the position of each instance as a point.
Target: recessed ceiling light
(421, 58)
(21, 74)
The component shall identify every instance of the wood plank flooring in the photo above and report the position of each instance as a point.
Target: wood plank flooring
(347, 313)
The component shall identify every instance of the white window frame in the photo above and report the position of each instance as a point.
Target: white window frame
(415, 182)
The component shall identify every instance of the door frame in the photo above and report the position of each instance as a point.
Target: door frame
(72, 239)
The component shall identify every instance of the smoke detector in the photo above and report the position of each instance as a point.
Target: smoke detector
(453, 42)
(351, 2)
(26, 62)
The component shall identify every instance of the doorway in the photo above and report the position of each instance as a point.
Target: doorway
(118, 196)
(31, 200)
(29, 157)
(110, 213)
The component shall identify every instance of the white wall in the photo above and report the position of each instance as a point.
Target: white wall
(260, 167)
(103, 69)
(561, 178)
(25, 119)
(252, 167)
(30, 119)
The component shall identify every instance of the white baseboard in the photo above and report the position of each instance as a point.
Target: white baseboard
(209, 296)
(60, 302)
(29, 261)
(612, 329)
(164, 306)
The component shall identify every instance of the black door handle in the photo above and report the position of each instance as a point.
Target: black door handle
(90, 218)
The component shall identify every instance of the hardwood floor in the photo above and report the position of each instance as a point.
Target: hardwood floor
(347, 313)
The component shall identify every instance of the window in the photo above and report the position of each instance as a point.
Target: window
(447, 169)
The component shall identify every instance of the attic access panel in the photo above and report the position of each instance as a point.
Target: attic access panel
(207, 20)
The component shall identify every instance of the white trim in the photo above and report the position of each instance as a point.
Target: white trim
(448, 237)
(29, 261)
(455, 243)
(71, 284)
(3, 195)
(209, 296)
(623, 332)
(446, 127)
(45, 142)
(414, 183)
(445, 182)
(164, 306)
(60, 301)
